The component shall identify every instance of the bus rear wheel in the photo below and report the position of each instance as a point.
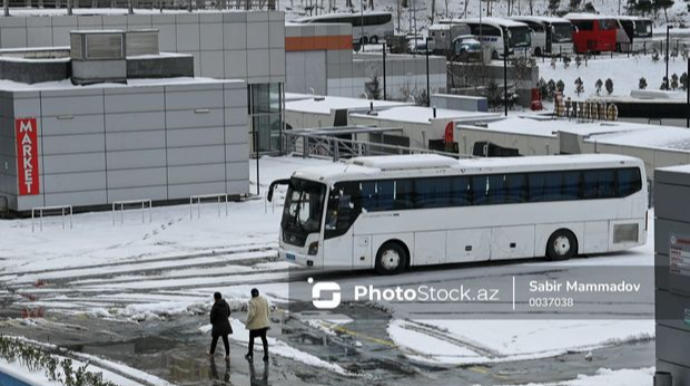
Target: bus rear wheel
(391, 259)
(374, 39)
(562, 245)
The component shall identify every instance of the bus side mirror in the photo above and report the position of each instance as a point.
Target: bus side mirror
(271, 188)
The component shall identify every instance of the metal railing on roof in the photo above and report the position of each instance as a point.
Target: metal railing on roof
(330, 147)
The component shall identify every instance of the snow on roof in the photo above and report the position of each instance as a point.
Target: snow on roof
(586, 16)
(548, 19)
(653, 137)
(324, 104)
(685, 169)
(362, 167)
(112, 11)
(8, 85)
(492, 20)
(546, 127)
(420, 114)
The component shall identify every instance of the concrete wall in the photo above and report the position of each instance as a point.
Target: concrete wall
(99, 145)
(34, 72)
(672, 300)
(239, 45)
(404, 72)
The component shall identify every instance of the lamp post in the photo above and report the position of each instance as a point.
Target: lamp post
(384, 70)
(428, 92)
(687, 90)
(505, 76)
(668, 48)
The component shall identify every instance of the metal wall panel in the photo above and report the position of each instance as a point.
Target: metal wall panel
(198, 155)
(135, 121)
(135, 140)
(196, 137)
(155, 193)
(190, 174)
(187, 190)
(72, 124)
(182, 119)
(73, 182)
(136, 159)
(73, 144)
(137, 178)
(73, 163)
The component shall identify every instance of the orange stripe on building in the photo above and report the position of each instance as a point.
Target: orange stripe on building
(317, 43)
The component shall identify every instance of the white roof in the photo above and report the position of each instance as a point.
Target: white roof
(420, 114)
(339, 15)
(677, 169)
(634, 18)
(653, 137)
(548, 19)
(324, 104)
(587, 16)
(547, 127)
(418, 164)
(492, 20)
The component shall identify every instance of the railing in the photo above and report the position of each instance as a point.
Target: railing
(132, 6)
(199, 198)
(140, 204)
(327, 147)
(64, 210)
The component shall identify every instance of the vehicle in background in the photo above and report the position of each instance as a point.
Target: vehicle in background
(593, 33)
(638, 34)
(467, 49)
(443, 36)
(370, 27)
(389, 213)
(551, 36)
(497, 35)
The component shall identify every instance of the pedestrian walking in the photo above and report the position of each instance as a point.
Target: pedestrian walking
(257, 322)
(220, 313)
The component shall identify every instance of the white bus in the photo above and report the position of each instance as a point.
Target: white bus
(371, 27)
(635, 35)
(551, 36)
(391, 212)
(497, 34)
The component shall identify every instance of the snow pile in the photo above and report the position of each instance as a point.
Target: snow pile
(607, 377)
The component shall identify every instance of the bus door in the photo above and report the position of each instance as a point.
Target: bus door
(342, 209)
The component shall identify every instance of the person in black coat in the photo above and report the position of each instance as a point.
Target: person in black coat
(220, 312)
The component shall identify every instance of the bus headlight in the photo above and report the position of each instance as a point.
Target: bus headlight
(314, 248)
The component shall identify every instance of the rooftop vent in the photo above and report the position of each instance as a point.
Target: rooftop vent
(98, 56)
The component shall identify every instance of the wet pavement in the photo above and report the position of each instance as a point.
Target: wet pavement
(175, 350)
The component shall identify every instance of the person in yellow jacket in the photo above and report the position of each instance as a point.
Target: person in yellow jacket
(257, 322)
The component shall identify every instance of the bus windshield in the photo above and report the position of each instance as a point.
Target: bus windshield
(643, 28)
(303, 207)
(520, 37)
(562, 33)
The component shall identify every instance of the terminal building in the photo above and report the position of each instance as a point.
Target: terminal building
(90, 124)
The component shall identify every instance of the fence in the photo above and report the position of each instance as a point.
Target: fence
(328, 147)
(133, 5)
(64, 210)
(140, 204)
(199, 198)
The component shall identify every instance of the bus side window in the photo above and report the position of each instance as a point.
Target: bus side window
(629, 182)
(599, 183)
(515, 188)
(342, 208)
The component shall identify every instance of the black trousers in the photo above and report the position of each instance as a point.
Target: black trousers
(214, 342)
(258, 333)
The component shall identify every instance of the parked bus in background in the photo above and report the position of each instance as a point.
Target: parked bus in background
(498, 34)
(551, 36)
(593, 33)
(371, 27)
(389, 213)
(443, 35)
(638, 34)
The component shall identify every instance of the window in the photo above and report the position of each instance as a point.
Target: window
(534, 26)
(599, 183)
(545, 187)
(608, 24)
(584, 25)
(629, 182)
(516, 188)
(488, 190)
(342, 209)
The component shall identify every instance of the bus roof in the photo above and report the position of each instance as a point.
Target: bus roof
(339, 15)
(544, 19)
(587, 16)
(488, 21)
(633, 18)
(435, 165)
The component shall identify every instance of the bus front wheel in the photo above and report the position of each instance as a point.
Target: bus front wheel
(391, 259)
(374, 39)
(562, 245)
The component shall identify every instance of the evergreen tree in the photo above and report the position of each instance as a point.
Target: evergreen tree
(578, 61)
(664, 83)
(375, 88)
(598, 85)
(662, 4)
(554, 5)
(543, 88)
(551, 86)
(655, 56)
(684, 81)
(589, 8)
(575, 5)
(566, 61)
(609, 86)
(560, 86)
(644, 7)
(579, 88)
(493, 94)
(674, 82)
(643, 83)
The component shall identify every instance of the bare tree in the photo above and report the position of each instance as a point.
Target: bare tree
(530, 3)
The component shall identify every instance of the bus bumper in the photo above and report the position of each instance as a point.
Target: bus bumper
(296, 257)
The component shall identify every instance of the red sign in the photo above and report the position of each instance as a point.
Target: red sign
(448, 135)
(27, 155)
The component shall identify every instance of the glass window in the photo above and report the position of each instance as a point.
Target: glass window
(303, 207)
(572, 185)
(599, 184)
(377, 195)
(488, 190)
(545, 187)
(515, 188)
(404, 194)
(584, 25)
(433, 192)
(341, 211)
(629, 182)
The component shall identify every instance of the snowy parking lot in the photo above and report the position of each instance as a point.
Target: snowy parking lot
(164, 272)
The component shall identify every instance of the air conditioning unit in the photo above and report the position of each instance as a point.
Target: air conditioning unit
(98, 56)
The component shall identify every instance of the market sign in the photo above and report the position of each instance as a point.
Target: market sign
(27, 156)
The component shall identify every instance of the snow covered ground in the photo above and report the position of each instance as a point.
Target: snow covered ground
(607, 377)
(171, 266)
